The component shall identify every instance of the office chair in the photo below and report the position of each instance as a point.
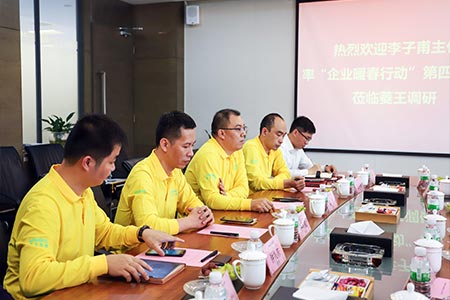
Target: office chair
(14, 184)
(43, 156)
(128, 164)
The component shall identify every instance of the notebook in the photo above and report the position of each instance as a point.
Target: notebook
(163, 271)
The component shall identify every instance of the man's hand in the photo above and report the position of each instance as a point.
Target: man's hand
(222, 187)
(198, 217)
(313, 170)
(330, 169)
(297, 183)
(261, 205)
(154, 238)
(127, 266)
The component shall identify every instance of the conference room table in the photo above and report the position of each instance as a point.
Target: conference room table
(310, 252)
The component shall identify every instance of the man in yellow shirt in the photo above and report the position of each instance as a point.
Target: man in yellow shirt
(217, 171)
(59, 225)
(156, 189)
(266, 167)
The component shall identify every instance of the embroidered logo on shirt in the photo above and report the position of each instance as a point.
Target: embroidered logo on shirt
(39, 242)
(173, 192)
(254, 161)
(140, 192)
(211, 176)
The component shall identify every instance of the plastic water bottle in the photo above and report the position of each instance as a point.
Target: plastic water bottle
(352, 182)
(323, 191)
(424, 179)
(198, 295)
(366, 168)
(254, 243)
(293, 215)
(420, 272)
(432, 229)
(215, 290)
(434, 183)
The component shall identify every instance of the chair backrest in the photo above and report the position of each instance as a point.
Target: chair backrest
(14, 182)
(43, 156)
(120, 171)
(128, 164)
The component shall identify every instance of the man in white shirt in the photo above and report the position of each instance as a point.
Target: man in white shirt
(300, 134)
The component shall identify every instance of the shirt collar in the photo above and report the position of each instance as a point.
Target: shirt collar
(220, 149)
(155, 165)
(288, 143)
(63, 187)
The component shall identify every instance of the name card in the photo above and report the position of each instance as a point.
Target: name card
(359, 187)
(229, 287)
(332, 203)
(303, 225)
(275, 254)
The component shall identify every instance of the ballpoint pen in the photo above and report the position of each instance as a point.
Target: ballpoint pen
(234, 234)
(212, 254)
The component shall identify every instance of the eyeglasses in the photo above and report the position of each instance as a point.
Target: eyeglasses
(240, 129)
(307, 138)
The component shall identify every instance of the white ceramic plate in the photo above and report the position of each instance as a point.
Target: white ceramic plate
(195, 285)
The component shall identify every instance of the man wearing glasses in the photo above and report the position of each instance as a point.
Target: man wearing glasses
(217, 171)
(300, 134)
(266, 167)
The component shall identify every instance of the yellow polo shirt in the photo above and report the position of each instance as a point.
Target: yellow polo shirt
(54, 237)
(211, 163)
(150, 197)
(264, 171)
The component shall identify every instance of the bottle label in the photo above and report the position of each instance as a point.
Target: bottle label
(420, 277)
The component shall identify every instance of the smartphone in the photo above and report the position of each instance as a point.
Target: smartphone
(167, 252)
(286, 199)
(238, 220)
(221, 259)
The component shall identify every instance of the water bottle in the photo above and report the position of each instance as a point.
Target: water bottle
(420, 272)
(198, 295)
(215, 290)
(424, 179)
(323, 191)
(432, 229)
(293, 215)
(366, 168)
(254, 243)
(434, 183)
(352, 182)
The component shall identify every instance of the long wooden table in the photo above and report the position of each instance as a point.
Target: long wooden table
(103, 288)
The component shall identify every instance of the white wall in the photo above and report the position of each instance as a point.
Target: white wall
(242, 56)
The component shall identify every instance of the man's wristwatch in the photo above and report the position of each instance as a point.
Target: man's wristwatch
(141, 231)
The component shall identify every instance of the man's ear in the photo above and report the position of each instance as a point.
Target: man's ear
(264, 131)
(87, 162)
(164, 144)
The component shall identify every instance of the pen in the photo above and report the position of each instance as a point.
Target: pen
(214, 253)
(224, 233)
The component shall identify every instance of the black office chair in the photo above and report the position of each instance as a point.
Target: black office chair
(14, 184)
(128, 164)
(43, 156)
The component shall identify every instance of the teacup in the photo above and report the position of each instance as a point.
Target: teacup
(444, 186)
(284, 230)
(343, 187)
(434, 252)
(253, 268)
(317, 204)
(364, 175)
(440, 223)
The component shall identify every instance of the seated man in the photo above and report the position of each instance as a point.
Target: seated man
(156, 189)
(266, 168)
(59, 225)
(217, 171)
(300, 134)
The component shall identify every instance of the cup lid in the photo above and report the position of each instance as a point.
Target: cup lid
(428, 243)
(252, 255)
(409, 294)
(283, 222)
(316, 196)
(435, 217)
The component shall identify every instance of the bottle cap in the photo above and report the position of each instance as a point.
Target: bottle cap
(420, 251)
(198, 295)
(434, 176)
(254, 234)
(215, 277)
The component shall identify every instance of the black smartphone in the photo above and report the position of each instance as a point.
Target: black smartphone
(238, 220)
(286, 199)
(167, 252)
(221, 259)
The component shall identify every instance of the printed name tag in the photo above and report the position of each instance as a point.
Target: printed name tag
(275, 254)
(303, 225)
(228, 285)
(359, 187)
(332, 203)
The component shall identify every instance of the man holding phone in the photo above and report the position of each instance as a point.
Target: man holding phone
(59, 225)
(266, 168)
(156, 190)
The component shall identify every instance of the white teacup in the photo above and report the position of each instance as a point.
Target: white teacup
(343, 187)
(364, 175)
(317, 204)
(440, 223)
(253, 268)
(434, 252)
(444, 186)
(284, 230)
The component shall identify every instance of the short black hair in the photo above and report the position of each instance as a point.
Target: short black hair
(222, 118)
(303, 124)
(268, 121)
(170, 124)
(94, 135)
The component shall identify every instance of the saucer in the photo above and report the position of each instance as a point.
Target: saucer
(240, 246)
(192, 286)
